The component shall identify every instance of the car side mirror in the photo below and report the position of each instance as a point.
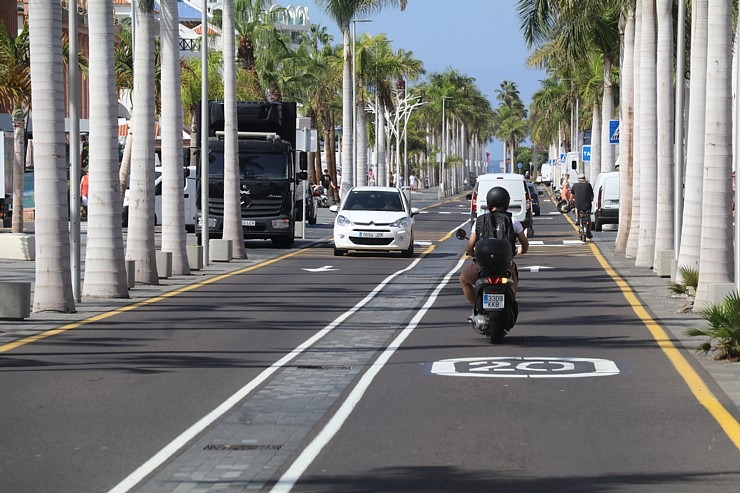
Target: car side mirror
(460, 234)
(334, 208)
(414, 211)
(469, 196)
(301, 176)
(303, 161)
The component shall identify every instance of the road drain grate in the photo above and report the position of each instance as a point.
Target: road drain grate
(227, 446)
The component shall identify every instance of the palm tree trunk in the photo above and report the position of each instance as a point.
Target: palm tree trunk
(347, 123)
(716, 264)
(105, 269)
(689, 251)
(174, 239)
(361, 126)
(140, 241)
(648, 138)
(19, 130)
(607, 113)
(664, 230)
(53, 290)
(233, 229)
(626, 137)
(632, 241)
(382, 177)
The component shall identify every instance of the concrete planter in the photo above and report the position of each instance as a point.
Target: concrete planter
(15, 300)
(17, 246)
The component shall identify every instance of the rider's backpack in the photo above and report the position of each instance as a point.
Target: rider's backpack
(496, 244)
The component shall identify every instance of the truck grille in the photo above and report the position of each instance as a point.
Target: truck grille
(257, 208)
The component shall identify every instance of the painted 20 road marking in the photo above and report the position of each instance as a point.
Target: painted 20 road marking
(525, 367)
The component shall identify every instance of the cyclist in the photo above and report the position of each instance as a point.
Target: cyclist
(583, 195)
(497, 199)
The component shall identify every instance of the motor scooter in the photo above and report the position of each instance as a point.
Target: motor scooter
(320, 194)
(495, 310)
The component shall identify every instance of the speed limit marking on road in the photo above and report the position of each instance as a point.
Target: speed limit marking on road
(525, 367)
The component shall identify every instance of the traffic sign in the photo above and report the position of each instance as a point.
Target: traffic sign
(519, 165)
(586, 154)
(614, 131)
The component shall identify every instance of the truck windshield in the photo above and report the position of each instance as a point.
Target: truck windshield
(266, 166)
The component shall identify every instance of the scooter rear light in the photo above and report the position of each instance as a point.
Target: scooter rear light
(498, 280)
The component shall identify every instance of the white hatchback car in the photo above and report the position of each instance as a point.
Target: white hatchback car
(374, 218)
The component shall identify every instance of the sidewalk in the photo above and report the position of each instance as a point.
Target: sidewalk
(651, 290)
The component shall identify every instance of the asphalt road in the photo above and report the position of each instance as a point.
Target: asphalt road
(360, 374)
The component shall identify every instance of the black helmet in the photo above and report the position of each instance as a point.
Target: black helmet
(498, 197)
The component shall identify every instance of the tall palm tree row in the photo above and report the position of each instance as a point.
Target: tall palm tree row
(343, 12)
(153, 77)
(647, 109)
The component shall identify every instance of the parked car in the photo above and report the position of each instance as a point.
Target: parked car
(534, 195)
(605, 207)
(520, 206)
(376, 219)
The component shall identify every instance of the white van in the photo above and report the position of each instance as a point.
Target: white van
(520, 205)
(605, 207)
(189, 195)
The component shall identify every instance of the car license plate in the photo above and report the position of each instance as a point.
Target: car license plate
(367, 234)
(493, 301)
(248, 222)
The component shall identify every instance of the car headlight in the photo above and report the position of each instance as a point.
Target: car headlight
(343, 221)
(404, 222)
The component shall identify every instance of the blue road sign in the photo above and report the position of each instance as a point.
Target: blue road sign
(586, 154)
(614, 131)
(519, 165)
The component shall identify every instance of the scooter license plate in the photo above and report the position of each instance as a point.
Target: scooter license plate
(493, 301)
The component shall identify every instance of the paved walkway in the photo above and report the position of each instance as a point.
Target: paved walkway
(651, 290)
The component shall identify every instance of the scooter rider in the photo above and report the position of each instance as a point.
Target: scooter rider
(497, 199)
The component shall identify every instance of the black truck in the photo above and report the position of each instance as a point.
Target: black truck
(270, 186)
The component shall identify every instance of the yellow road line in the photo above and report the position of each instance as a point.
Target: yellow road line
(102, 316)
(697, 386)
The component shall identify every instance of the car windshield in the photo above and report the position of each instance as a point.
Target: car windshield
(373, 201)
(264, 166)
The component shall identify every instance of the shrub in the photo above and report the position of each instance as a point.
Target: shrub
(723, 330)
(689, 281)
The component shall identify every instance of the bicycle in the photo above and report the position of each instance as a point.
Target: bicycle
(583, 219)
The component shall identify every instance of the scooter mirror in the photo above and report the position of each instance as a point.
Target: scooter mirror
(461, 235)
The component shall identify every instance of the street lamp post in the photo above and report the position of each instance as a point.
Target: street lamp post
(205, 233)
(354, 101)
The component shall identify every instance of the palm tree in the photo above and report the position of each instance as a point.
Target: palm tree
(53, 291)
(232, 206)
(173, 222)
(105, 270)
(689, 250)
(716, 262)
(648, 137)
(626, 138)
(343, 11)
(140, 241)
(15, 92)
(634, 228)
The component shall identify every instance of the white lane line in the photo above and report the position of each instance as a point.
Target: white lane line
(175, 445)
(309, 454)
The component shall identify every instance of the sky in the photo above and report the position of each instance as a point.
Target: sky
(478, 38)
